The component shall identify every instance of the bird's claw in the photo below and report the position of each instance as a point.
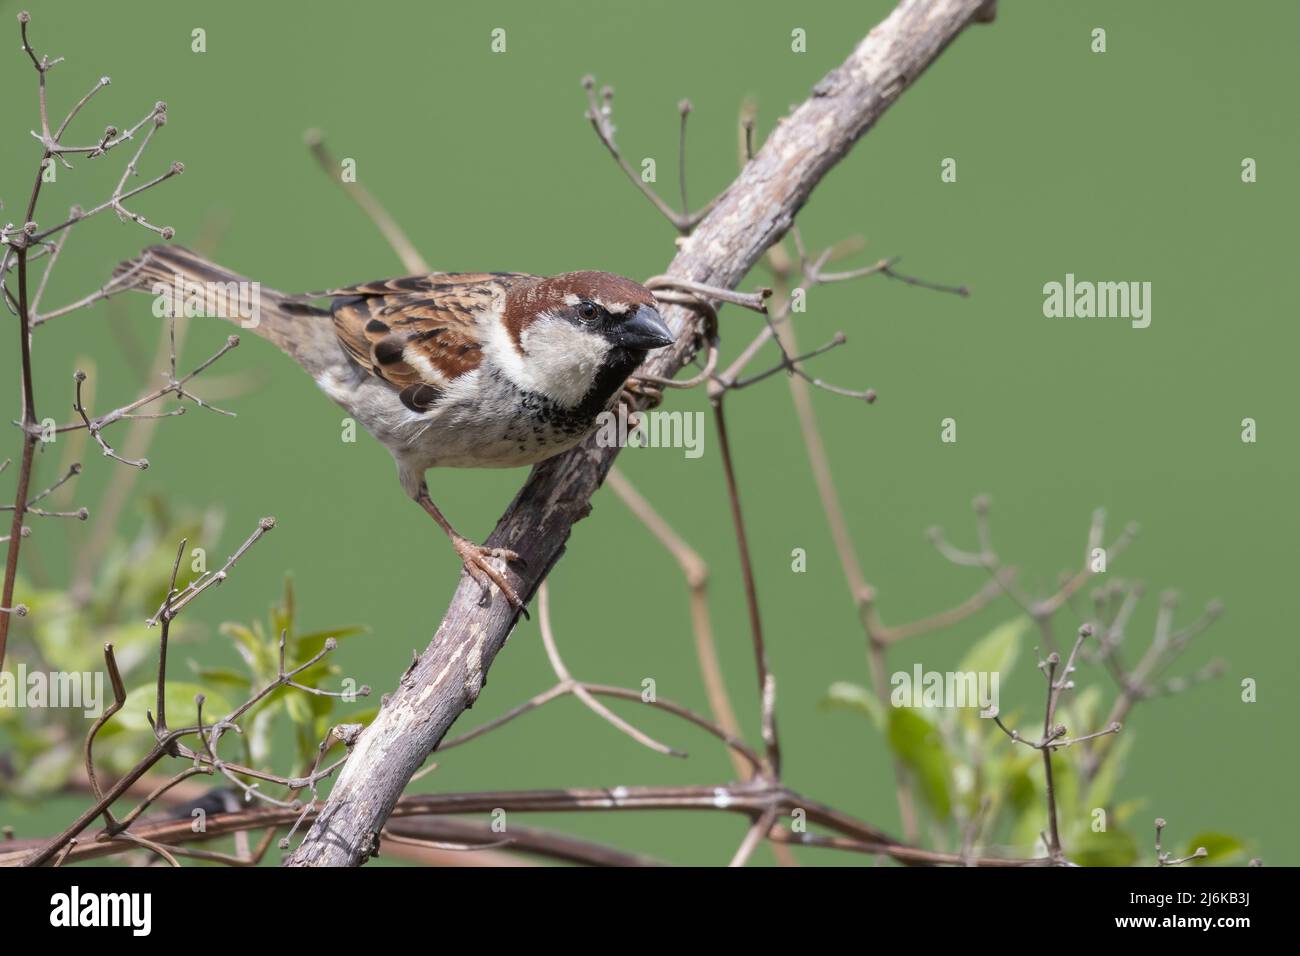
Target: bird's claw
(475, 559)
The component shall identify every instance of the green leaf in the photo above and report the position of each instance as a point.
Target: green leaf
(253, 650)
(1222, 847)
(1019, 786)
(844, 695)
(1068, 811)
(1070, 819)
(180, 706)
(258, 731)
(222, 675)
(917, 744)
(996, 652)
(48, 771)
(1108, 848)
(296, 705)
(1102, 788)
(1084, 710)
(309, 645)
(1124, 812)
(1031, 822)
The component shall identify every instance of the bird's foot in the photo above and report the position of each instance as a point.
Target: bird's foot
(476, 557)
(635, 388)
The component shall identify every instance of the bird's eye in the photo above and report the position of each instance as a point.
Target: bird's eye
(587, 311)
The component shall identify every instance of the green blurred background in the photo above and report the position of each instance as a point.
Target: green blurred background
(1119, 166)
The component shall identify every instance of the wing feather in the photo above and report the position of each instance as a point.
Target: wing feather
(418, 333)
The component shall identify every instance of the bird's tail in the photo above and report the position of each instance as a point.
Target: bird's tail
(184, 283)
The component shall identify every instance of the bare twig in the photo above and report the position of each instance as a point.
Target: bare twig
(578, 690)
(1055, 736)
(177, 601)
(766, 682)
(18, 244)
(388, 226)
(1164, 858)
(600, 114)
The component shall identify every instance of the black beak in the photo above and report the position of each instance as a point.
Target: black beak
(644, 330)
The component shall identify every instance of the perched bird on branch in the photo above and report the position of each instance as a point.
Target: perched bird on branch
(462, 370)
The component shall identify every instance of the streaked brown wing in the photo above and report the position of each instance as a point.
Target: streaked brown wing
(418, 333)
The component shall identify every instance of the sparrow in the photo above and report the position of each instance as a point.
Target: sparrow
(446, 370)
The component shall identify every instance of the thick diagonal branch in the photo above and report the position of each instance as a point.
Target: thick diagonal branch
(754, 212)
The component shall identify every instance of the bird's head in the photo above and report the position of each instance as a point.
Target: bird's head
(577, 336)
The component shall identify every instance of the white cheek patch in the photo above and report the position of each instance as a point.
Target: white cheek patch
(562, 359)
